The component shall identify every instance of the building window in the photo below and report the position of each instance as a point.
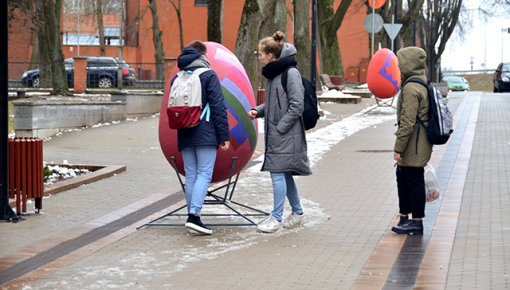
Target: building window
(200, 2)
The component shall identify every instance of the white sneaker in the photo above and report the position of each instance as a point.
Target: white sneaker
(294, 220)
(269, 225)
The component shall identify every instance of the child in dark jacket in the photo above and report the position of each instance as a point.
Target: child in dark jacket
(199, 144)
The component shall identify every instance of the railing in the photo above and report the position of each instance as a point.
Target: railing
(468, 72)
(146, 75)
(26, 179)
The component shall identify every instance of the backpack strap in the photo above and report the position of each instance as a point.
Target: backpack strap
(201, 70)
(416, 80)
(284, 77)
(419, 81)
(426, 85)
(206, 112)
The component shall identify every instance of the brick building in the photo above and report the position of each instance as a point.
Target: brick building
(138, 44)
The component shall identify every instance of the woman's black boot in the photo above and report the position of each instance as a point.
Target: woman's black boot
(403, 220)
(413, 227)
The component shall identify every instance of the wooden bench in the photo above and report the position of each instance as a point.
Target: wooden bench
(326, 81)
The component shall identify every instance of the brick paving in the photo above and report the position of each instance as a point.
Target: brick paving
(350, 201)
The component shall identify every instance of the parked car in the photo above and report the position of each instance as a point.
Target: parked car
(102, 72)
(501, 78)
(456, 83)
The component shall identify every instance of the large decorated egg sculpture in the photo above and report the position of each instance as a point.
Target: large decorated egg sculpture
(383, 76)
(239, 99)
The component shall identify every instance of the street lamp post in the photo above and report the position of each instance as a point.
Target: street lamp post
(430, 15)
(78, 20)
(6, 212)
(503, 30)
(502, 42)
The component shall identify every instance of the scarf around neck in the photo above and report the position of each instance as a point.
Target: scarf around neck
(274, 68)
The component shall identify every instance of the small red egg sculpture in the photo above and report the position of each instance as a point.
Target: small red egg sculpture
(376, 3)
(383, 76)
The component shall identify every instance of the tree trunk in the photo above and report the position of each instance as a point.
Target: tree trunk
(257, 21)
(158, 43)
(53, 12)
(100, 26)
(52, 71)
(409, 20)
(302, 35)
(177, 8)
(181, 33)
(441, 19)
(280, 17)
(215, 20)
(44, 46)
(329, 23)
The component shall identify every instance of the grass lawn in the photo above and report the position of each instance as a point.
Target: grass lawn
(480, 82)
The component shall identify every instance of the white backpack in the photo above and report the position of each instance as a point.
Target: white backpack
(185, 101)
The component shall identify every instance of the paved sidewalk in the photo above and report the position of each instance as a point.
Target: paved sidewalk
(350, 201)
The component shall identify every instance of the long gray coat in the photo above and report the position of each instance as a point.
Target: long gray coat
(285, 139)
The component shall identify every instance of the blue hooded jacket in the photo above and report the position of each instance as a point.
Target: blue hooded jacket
(215, 131)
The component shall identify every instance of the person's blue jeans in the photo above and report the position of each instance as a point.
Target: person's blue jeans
(198, 168)
(284, 185)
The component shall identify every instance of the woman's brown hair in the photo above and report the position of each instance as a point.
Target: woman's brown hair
(273, 44)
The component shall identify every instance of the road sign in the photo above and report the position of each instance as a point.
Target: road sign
(373, 23)
(392, 29)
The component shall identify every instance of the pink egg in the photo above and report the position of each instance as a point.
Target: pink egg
(239, 99)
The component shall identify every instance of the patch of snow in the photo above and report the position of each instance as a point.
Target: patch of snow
(254, 189)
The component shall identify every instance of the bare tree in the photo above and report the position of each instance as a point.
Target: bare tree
(329, 21)
(426, 23)
(100, 26)
(441, 18)
(157, 36)
(494, 7)
(280, 18)
(302, 34)
(410, 18)
(177, 8)
(215, 20)
(52, 71)
(257, 21)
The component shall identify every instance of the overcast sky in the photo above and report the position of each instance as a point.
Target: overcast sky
(483, 43)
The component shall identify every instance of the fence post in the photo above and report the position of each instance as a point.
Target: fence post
(80, 74)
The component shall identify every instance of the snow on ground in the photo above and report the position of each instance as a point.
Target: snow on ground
(132, 265)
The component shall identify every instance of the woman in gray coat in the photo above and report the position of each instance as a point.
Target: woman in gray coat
(284, 133)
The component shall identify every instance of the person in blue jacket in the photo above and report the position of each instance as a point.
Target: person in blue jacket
(199, 144)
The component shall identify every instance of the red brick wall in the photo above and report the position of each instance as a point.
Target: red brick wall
(20, 44)
(353, 38)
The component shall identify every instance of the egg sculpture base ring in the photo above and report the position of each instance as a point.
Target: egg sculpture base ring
(214, 199)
